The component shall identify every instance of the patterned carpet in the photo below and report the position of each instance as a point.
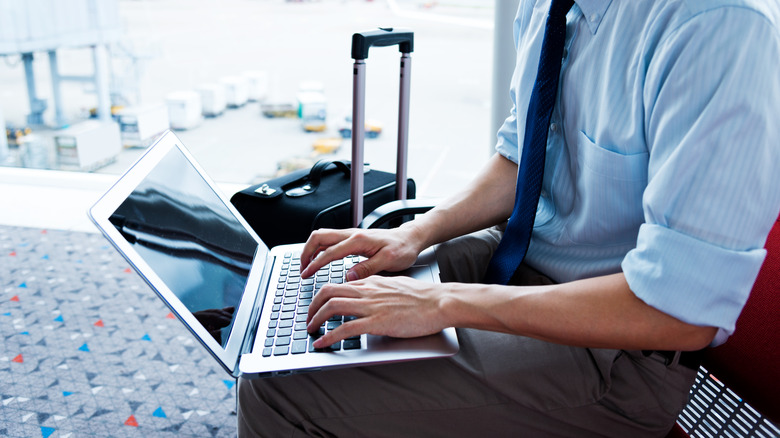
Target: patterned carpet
(89, 349)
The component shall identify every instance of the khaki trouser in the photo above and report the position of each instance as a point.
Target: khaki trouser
(497, 385)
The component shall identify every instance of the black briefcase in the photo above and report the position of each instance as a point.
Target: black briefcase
(287, 209)
(335, 194)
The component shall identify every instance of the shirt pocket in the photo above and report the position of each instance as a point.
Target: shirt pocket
(607, 206)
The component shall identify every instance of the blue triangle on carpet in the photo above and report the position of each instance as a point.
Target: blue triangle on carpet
(159, 413)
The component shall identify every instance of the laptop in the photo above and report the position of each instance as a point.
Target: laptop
(246, 303)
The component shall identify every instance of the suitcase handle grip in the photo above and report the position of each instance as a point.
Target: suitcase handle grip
(311, 182)
(384, 36)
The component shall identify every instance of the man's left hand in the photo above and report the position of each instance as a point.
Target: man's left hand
(393, 306)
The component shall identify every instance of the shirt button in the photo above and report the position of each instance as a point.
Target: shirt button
(554, 127)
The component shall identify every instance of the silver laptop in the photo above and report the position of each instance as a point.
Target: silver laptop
(244, 302)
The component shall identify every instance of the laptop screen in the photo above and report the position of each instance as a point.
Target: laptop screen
(185, 233)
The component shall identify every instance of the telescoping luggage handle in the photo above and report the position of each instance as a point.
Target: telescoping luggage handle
(361, 42)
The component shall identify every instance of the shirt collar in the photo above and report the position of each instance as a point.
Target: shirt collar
(593, 11)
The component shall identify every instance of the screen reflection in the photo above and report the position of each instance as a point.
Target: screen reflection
(186, 234)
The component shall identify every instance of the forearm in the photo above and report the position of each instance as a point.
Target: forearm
(487, 201)
(600, 312)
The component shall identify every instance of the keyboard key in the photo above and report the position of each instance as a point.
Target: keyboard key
(300, 326)
(272, 324)
(288, 308)
(270, 333)
(267, 351)
(334, 347)
(269, 342)
(301, 317)
(285, 324)
(300, 335)
(352, 344)
(274, 315)
(288, 315)
(284, 332)
(280, 342)
(302, 310)
(298, 347)
(333, 324)
(281, 351)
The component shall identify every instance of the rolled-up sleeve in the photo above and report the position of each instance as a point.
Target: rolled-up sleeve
(507, 139)
(713, 193)
(665, 270)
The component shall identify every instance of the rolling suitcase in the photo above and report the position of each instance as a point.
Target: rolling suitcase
(335, 194)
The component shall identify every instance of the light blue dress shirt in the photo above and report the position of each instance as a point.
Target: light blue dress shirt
(663, 152)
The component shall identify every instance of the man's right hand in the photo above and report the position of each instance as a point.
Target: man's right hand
(385, 249)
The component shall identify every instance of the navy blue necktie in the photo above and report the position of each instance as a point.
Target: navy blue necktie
(512, 248)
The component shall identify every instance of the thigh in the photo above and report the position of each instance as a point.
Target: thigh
(424, 398)
(435, 398)
(532, 388)
(465, 259)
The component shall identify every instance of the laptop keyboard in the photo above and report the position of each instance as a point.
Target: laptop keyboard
(286, 333)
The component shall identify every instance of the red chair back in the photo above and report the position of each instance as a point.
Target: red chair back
(749, 362)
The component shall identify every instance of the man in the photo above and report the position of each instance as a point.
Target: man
(659, 188)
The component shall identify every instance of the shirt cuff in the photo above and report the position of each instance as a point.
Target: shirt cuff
(692, 280)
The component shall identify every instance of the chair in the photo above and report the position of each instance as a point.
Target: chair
(748, 364)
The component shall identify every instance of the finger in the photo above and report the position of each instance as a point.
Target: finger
(334, 306)
(317, 241)
(336, 247)
(327, 292)
(366, 268)
(347, 330)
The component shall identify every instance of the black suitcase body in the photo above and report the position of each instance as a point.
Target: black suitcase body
(279, 218)
(335, 194)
